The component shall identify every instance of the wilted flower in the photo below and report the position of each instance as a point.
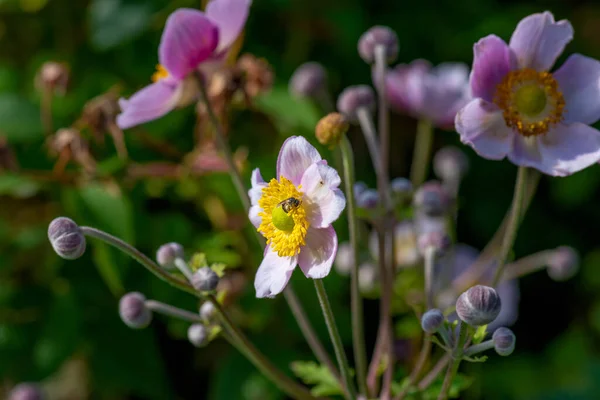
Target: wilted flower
(435, 94)
(521, 111)
(294, 213)
(190, 39)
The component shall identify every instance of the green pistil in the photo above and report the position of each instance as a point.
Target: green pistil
(282, 220)
(530, 100)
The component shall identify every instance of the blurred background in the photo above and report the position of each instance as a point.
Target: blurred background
(59, 323)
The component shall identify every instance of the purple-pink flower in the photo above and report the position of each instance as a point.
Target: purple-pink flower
(423, 92)
(191, 38)
(294, 213)
(524, 112)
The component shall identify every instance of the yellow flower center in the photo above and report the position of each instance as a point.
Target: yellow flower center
(531, 101)
(161, 73)
(284, 222)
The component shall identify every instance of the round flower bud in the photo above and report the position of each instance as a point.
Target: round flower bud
(368, 199)
(504, 341)
(358, 188)
(478, 306)
(432, 199)
(133, 310)
(331, 128)
(432, 320)
(438, 240)
(450, 163)
(26, 391)
(205, 279)
(66, 238)
(308, 79)
(563, 263)
(198, 335)
(167, 253)
(354, 98)
(401, 186)
(207, 311)
(378, 36)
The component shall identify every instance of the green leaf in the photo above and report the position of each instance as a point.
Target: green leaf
(318, 375)
(459, 383)
(113, 22)
(479, 359)
(288, 113)
(479, 334)
(19, 119)
(108, 268)
(219, 269)
(110, 210)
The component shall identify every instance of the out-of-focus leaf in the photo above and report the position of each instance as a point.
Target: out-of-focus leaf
(408, 327)
(108, 268)
(311, 373)
(288, 113)
(110, 209)
(19, 119)
(17, 186)
(576, 189)
(113, 22)
(459, 383)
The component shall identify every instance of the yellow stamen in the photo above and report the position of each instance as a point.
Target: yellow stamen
(531, 101)
(284, 231)
(161, 73)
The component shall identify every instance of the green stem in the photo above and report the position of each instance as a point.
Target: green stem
(478, 348)
(422, 152)
(434, 372)
(169, 310)
(358, 339)
(429, 261)
(335, 339)
(513, 224)
(456, 358)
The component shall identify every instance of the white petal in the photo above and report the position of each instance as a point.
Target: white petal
(273, 274)
(295, 156)
(317, 256)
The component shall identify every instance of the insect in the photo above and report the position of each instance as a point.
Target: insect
(289, 204)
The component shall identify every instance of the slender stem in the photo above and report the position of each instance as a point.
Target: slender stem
(358, 338)
(169, 310)
(456, 358)
(422, 152)
(335, 339)
(434, 372)
(375, 361)
(383, 112)
(385, 313)
(46, 110)
(242, 343)
(526, 265)
(416, 372)
(478, 348)
(445, 336)
(429, 261)
(368, 128)
(184, 268)
(513, 224)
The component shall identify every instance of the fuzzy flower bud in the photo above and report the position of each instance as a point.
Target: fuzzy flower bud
(378, 36)
(438, 240)
(354, 98)
(133, 310)
(66, 238)
(368, 199)
(450, 164)
(432, 320)
(331, 128)
(198, 335)
(207, 311)
(167, 253)
(401, 186)
(205, 280)
(308, 79)
(478, 306)
(26, 391)
(563, 264)
(504, 341)
(432, 199)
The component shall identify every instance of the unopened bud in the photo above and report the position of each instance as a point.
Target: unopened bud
(358, 188)
(432, 320)
(205, 279)
(331, 128)
(26, 391)
(563, 263)
(308, 79)
(198, 335)
(401, 186)
(368, 199)
(478, 306)
(450, 163)
(432, 199)
(354, 98)
(439, 241)
(133, 310)
(378, 36)
(53, 76)
(66, 238)
(168, 253)
(207, 311)
(504, 341)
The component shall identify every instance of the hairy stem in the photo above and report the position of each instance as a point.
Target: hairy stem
(456, 358)
(421, 153)
(169, 310)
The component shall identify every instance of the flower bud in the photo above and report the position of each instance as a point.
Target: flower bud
(438, 240)
(207, 311)
(198, 335)
(563, 263)
(205, 279)
(504, 341)
(344, 259)
(167, 253)
(66, 238)
(450, 163)
(401, 186)
(432, 199)
(368, 199)
(53, 76)
(133, 310)
(358, 188)
(378, 36)
(432, 320)
(26, 391)
(308, 79)
(354, 98)
(478, 306)
(331, 128)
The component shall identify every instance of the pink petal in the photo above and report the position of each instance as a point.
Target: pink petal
(492, 61)
(295, 156)
(481, 126)
(316, 257)
(230, 16)
(446, 91)
(405, 87)
(273, 274)
(538, 40)
(188, 39)
(149, 103)
(322, 199)
(258, 184)
(254, 217)
(579, 82)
